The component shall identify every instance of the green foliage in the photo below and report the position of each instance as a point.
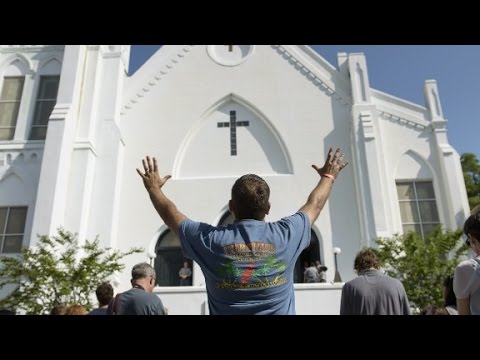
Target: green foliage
(471, 174)
(420, 265)
(57, 271)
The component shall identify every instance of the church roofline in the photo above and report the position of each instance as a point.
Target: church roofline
(400, 111)
(142, 80)
(313, 66)
(30, 48)
(398, 101)
(319, 58)
(401, 119)
(318, 70)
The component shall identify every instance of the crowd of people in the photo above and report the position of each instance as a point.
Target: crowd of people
(249, 265)
(139, 300)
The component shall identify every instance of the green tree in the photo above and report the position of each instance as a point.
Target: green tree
(420, 265)
(57, 271)
(471, 174)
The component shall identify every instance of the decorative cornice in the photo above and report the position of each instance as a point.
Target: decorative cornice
(311, 76)
(402, 121)
(446, 149)
(366, 120)
(22, 145)
(59, 112)
(84, 144)
(168, 65)
(30, 48)
(20, 157)
(439, 124)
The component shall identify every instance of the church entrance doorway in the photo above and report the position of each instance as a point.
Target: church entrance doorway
(169, 260)
(308, 256)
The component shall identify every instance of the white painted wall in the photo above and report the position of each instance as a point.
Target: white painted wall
(310, 299)
(20, 159)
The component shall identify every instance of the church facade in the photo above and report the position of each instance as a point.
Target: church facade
(74, 127)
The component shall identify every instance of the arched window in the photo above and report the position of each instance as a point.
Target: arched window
(169, 259)
(46, 98)
(309, 255)
(416, 195)
(10, 98)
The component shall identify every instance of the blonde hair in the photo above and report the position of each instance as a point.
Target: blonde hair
(76, 310)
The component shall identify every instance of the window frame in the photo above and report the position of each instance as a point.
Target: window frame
(417, 202)
(3, 232)
(18, 102)
(38, 101)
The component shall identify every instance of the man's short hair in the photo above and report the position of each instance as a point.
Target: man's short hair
(366, 259)
(104, 293)
(472, 225)
(143, 270)
(59, 310)
(251, 194)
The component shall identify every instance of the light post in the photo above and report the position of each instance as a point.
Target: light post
(336, 251)
(151, 256)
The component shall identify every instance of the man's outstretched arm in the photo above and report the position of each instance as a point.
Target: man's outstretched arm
(328, 173)
(164, 206)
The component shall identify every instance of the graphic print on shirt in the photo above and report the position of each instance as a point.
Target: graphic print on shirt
(250, 266)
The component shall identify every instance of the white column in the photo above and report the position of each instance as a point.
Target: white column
(107, 137)
(451, 175)
(368, 163)
(84, 153)
(53, 183)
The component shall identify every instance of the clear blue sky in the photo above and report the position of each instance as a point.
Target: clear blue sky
(401, 70)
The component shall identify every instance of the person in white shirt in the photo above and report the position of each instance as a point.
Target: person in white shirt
(466, 281)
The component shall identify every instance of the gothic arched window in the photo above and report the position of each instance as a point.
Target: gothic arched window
(11, 90)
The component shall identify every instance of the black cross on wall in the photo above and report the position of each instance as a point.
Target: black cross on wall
(233, 124)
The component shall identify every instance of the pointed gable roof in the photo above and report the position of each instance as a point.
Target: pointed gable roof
(303, 58)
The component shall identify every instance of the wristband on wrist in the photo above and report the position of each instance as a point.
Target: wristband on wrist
(330, 176)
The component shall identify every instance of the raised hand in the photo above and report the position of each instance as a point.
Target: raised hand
(333, 165)
(151, 177)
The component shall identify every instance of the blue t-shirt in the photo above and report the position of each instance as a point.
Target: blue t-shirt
(248, 266)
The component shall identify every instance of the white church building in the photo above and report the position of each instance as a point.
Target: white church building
(209, 114)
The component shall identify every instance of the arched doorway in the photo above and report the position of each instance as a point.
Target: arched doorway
(169, 259)
(309, 255)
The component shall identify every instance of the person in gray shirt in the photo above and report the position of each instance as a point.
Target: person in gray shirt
(139, 300)
(372, 292)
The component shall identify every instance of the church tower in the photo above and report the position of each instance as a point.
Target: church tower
(83, 144)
